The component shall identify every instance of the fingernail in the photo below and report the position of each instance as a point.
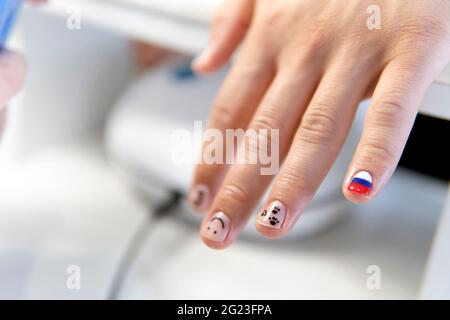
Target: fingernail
(202, 58)
(217, 227)
(361, 183)
(273, 215)
(199, 197)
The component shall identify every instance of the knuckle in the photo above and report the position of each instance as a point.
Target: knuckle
(233, 192)
(397, 90)
(385, 112)
(272, 14)
(361, 57)
(259, 137)
(224, 116)
(260, 38)
(377, 152)
(318, 36)
(292, 178)
(420, 27)
(268, 23)
(223, 18)
(416, 34)
(268, 122)
(317, 40)
(318, 125)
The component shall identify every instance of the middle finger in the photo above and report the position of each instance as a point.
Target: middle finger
(281, 108)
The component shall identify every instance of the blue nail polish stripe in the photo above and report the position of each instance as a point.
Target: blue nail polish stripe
(8, 11)
(363, 182)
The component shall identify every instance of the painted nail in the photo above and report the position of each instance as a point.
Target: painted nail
(361, 183)
(217, 228)
(273, 215)
(199, 197)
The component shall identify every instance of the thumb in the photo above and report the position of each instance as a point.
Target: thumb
(229, 27)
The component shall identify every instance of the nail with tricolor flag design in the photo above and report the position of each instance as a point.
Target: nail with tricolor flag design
(361, 183)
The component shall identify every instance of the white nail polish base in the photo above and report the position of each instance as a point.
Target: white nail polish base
(273, 216)
(217, 228)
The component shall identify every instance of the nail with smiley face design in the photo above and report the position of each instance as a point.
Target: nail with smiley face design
(217, 227)
(272, 216)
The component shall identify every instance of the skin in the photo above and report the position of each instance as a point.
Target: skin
(12, 75)
(147, 55)
(303, 68)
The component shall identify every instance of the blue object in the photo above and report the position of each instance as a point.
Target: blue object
(8, 11)
(183, 72)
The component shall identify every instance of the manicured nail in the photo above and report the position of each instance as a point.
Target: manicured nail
(217, 228)
(199, 197)
(273, 215)
(361, 183)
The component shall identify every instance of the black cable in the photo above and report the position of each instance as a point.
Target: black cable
(137, 241)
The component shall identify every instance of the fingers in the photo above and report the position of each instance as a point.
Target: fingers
(245, 182)
(317, 142)
(229, 27)
(12, 74)
(233, 108)
(147, 55)
(388, 123)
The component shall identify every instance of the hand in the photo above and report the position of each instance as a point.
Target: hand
(303, 68)
(147, 55)
(12, 74)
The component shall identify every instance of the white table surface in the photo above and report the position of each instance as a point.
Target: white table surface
(66, 206)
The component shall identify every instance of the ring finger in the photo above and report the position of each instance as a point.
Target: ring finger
(317, 142)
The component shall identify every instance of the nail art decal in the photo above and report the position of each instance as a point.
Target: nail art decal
(272, 216)
(361, 183)
(199, 197)
(217, 228)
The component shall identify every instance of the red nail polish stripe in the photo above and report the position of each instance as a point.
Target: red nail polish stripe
(359, 188)
(361, 183)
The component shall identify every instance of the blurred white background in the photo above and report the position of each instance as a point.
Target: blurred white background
(64, 203)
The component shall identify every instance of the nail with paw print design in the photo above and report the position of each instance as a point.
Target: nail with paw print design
(272, 216)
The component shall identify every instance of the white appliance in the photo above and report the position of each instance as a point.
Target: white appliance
(74, 102)
(140, 130)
